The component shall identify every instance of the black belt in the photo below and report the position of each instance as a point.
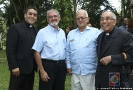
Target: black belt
(53, 61)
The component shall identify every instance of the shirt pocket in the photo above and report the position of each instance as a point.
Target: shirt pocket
(90, 43)
(72, 45)
(48, 44)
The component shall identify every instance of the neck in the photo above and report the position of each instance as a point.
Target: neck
(55, 27)
(81, 29)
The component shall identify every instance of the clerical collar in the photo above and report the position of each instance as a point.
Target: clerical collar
(107, 34)
(28, 25)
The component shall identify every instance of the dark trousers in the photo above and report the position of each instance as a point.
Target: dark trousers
(57, 73)
(22, 82)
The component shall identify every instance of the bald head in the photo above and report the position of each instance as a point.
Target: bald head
(82, 11)
(113, 16)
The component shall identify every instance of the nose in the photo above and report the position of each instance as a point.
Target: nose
(32, 15)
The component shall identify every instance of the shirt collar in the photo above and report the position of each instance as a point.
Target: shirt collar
(52, 27)
(87, 28)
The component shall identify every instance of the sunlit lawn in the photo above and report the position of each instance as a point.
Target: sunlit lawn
(4, 75)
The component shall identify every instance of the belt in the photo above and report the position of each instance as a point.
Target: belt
(53, 61)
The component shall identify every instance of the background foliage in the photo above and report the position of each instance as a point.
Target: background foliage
(67, 8)
(13, 11)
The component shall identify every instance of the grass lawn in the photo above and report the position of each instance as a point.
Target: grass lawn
(4, 74)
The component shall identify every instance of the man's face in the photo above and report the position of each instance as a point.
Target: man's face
(53, 18)
(107, 22)
(125, 21)
(81, 19)
(31, 16)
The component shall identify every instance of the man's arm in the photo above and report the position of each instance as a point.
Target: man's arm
(43, 73)
(11, 46)
(127, 48)
(69, 70)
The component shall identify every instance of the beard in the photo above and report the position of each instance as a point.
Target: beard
(54, 24)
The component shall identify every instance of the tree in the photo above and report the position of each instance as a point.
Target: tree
(125, 8)
(3, 27)
(14, 13)
(65, 8)
(3, 31)
(95, 10)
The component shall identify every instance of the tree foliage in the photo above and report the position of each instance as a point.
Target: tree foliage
(14, 13)
(67, 8)
(95, 9)
(126, 8)
(3, 27)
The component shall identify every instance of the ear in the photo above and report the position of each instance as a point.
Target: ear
(115, 21)
(59, 18)
(24, 15)
(88, 19)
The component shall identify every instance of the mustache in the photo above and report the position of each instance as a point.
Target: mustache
(54, 24)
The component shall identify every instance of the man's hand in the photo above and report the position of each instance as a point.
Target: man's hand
(69, 70)
(44, 76)
(106, 60)
(16, 72)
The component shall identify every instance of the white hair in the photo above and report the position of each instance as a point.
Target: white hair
(52, 10)
(113, 15)
(81, 10)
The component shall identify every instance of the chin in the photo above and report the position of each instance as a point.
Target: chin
(106, 30)
(53, 24)
(31, 23)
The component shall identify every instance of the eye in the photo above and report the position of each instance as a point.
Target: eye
(35, 15)
(107, 19)
(82, 18)
(54, 16)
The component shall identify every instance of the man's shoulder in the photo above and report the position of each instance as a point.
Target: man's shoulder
(16, 24)
(121, 32)
(95, 29)
(72, 31)
(42, 30)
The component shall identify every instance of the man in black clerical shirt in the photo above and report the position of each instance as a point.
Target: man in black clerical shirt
(115, 54)
(20, 57)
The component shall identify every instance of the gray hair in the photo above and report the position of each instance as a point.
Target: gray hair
(82, 10)
(113, 15)
(52, 10)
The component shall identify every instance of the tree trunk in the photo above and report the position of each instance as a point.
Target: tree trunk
(74, 14)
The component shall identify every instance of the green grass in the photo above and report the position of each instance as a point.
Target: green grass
(4, 74)
(2, 54)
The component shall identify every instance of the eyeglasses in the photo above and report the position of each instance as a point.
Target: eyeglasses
(55, 16)
(107, 19)
(81, 18)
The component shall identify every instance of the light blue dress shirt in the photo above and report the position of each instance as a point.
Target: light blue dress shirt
(50, 43)
(81, 53)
